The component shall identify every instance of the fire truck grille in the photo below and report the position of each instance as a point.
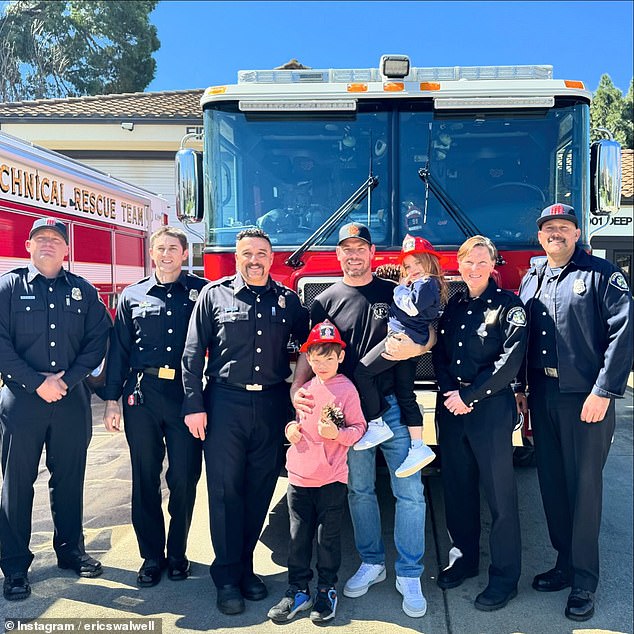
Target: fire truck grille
(309, 288)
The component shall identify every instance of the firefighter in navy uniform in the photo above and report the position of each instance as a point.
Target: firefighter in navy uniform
(481, 344)
(578, 360)
(144, 367)
(244, 323)
(53, 333)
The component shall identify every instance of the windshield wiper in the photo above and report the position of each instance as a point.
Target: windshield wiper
(465, 224)
(328, 226)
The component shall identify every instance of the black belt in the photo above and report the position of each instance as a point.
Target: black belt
(250, 387)
(550, 372)
(169, 374)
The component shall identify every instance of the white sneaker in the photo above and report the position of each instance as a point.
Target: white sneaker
(414, 603)
(362, 579)
(376, 433)
(417, 458)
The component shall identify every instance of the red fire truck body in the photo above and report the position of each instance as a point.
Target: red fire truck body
(109, 221)
(444, 153)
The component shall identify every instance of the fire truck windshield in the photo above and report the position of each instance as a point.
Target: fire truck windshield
(288, 172)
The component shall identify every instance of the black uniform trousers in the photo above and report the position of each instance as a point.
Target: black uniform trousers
(28, 425)
(243, 451)
(315, 510)
(570, 457)
(477, 448)
(372, 401)
(150, 428)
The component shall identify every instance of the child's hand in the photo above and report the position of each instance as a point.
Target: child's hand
(327, 429)
(294, 433)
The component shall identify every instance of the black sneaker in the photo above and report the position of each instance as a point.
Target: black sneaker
(294, 601)
(325, 605)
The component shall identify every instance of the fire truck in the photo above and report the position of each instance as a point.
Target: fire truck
(445, 153)
(109, 221)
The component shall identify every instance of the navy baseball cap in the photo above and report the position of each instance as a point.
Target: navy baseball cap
(49, 223)
(354, 230)
(558, 211)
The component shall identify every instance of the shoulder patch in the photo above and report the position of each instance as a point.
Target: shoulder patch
(618, 280)
(516, 316)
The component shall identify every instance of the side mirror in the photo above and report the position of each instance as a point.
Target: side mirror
(189, 189)
(605, 177)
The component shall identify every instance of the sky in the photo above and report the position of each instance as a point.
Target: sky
(206, 43)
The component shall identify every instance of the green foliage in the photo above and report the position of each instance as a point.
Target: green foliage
(74, 48)
(611, 110)
(628, 117)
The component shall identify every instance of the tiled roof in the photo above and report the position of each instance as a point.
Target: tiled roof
(627, 171)
(173, 104)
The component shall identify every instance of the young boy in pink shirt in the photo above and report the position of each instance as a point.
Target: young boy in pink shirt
(317, 474)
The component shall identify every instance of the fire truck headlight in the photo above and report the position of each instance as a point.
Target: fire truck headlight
(394, 66)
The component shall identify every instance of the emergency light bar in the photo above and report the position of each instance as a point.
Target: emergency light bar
(458, 103)
(314, 105)
(418, 74)
(456, 73)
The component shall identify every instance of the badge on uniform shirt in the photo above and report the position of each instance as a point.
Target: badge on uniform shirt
(516, 316)
(145, 304)
(579, 286)
(76, 294)
(618, 280)
(281, 301)
(193, 295)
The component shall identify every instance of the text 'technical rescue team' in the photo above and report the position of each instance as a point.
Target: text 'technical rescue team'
(30, 186)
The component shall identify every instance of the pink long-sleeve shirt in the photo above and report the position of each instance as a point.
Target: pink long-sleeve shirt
(315, 461)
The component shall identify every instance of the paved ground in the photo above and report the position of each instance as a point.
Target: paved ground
(189, 606)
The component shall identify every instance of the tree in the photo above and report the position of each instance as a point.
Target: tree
(610, 110)
(629, 117)
(74, 48)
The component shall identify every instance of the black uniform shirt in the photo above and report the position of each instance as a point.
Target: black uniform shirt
(481, 341)
(543, 354)
(594, 314)
(49, 326)
(245, 332)
(150, 328)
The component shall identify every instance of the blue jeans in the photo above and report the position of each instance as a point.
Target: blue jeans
(409, 521)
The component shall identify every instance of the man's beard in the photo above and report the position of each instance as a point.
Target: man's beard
(356, 272)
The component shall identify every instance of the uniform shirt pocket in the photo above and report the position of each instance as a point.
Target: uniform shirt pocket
(229, 317)
(147, 323)
(75, 316)
(29, 317)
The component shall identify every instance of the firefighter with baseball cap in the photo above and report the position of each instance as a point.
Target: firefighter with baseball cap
(53, 333)
(578, 360)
